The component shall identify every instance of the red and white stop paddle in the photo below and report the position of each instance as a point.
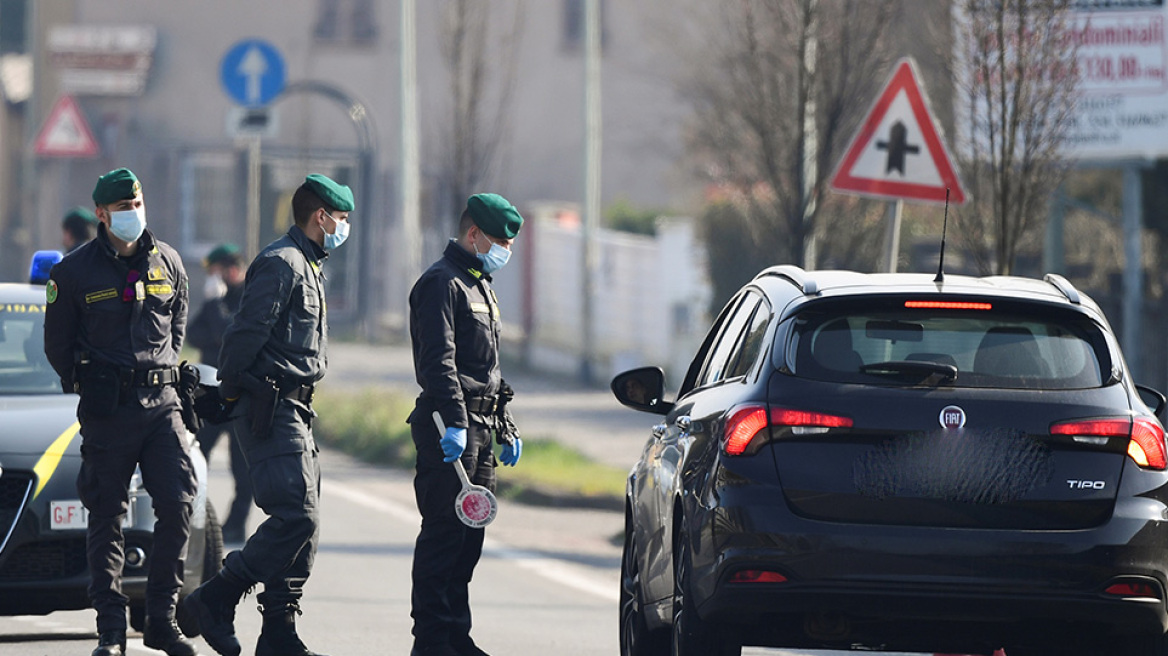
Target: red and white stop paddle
(475, 506)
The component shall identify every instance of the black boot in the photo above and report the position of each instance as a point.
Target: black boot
(278, 637)
(162, 633)
(111, 643)
(466, 647)
(212, 605)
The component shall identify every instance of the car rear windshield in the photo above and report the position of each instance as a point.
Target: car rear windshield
(976, 347)
(24, 369)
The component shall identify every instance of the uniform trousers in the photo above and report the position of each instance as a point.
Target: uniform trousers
(285, 477)
(446, 551)
(209, 435)
(112, 446)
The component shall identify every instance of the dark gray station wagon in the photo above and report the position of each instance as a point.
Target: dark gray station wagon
(889, 462)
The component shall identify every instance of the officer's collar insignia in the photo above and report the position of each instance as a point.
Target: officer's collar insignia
(475, 272)
(51, 291)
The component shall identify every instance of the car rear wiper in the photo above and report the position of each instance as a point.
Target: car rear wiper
(918, 370)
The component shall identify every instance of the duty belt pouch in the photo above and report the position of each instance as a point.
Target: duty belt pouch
(100, 389)
(265, 395)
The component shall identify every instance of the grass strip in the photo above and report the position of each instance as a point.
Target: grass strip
(371, 426)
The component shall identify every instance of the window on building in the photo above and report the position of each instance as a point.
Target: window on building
(208, 192)
(346, 22)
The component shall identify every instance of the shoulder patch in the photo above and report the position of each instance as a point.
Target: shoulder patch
(156, 273)
(51, 291)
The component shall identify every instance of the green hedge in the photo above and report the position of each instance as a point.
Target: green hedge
(371, 426)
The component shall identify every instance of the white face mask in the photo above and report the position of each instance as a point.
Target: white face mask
(214, 287)
(128, 225)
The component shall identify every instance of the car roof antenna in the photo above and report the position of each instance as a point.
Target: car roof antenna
(944, 227)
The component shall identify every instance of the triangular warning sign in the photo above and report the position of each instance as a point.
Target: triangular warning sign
(898, 153)
(66, 133)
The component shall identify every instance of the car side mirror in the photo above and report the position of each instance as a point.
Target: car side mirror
(1152, 398)
(642, 389)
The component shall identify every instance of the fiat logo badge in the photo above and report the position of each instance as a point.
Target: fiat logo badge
(952, 418)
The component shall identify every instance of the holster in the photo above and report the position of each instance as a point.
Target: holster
(265, 396)
(100, 386)
(188, 384)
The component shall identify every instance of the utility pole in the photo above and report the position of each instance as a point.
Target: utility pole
(809, 143)
(591, 223)
(410, 204)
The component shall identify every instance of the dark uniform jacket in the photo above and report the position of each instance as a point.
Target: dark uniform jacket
(205, 331)
(127, 312)
(454, 327)
(280, 330)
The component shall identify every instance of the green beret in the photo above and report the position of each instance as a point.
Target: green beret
(118, 184)
(80, 215)
(337, 196)
(494, 215)
(223, 253)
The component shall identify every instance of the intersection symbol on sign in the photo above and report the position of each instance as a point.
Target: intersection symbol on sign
(66, 133)
(898, 153)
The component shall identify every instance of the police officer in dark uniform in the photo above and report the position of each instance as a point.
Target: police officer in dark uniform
(454, 327)
(77, 228)
(273, 354)
(225, 268)
(114, 325)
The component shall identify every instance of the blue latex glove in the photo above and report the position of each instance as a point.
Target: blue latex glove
(511, 452)
(453, 443)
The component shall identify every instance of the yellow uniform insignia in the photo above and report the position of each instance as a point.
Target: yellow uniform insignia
(103, 295)
(156, 273)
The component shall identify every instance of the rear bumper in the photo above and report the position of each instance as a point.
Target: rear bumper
(890, 586)
(924, 618)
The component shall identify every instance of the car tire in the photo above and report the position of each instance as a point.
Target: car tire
(636, 639)
(693, 636)
(212, 563)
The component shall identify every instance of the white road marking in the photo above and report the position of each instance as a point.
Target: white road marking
(551, 569)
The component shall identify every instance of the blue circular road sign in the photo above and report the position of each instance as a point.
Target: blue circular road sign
(253, 72)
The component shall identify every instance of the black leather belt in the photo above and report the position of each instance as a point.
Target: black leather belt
(159, 377)
(302, 393)
(482, 405)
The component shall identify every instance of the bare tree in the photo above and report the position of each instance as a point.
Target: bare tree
(481, 65)
(1017, 81)
(777, 88)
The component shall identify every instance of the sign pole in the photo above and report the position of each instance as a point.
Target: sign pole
(253, 197)
(892, 239)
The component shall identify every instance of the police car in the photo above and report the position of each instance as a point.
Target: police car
(42, 522)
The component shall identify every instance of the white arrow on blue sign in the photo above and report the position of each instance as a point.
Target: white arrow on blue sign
(252, 72)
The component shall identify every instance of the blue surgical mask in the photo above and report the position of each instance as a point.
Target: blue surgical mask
(128, 225)
(331, 241)
(494, 259)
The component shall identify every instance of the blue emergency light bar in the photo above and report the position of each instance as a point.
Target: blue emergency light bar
(42, 262)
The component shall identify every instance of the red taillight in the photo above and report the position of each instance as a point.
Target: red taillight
(1146, 445)
(1133, 589)
(802, 418)
(757, 576)
(1148, 436)
(743, 425)
(746, 423)
(947, 305)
